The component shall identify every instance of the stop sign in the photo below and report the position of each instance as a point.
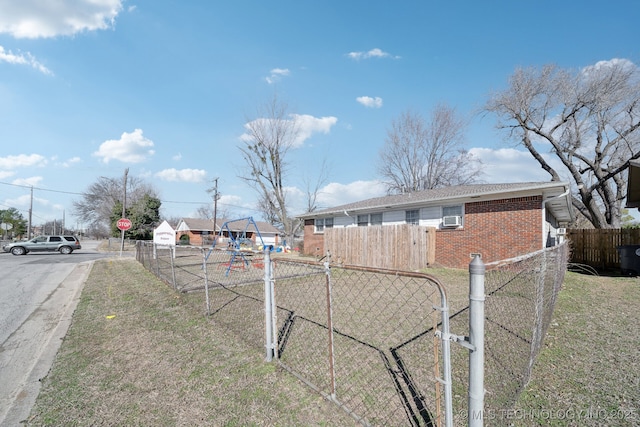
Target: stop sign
(123, 224)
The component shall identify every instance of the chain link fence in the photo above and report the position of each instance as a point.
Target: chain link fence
(363, 338)
(369, 339)
(521, 295)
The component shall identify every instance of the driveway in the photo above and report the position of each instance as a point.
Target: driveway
(38, 295)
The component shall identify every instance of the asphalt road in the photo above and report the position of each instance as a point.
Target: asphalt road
(38, 295)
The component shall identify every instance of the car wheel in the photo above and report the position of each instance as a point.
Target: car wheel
(65, 250)
(18, 250)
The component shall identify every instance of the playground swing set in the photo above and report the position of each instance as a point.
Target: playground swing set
(239, 246)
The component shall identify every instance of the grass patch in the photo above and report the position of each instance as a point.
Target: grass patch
(588, 371)
(137, 353)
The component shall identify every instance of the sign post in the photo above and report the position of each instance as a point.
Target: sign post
(123, 224)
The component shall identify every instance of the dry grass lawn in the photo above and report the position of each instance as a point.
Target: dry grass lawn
(138, 353)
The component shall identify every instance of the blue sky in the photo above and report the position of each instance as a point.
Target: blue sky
(165, 87)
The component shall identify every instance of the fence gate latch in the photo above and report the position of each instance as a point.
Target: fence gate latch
(462, 340)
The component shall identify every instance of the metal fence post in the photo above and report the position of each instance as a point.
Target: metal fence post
(172, 255)
(269, 305)
(445, 337)
(536, 339)
(476, 340)
(206, 281)
(155, 256)
(332, 369)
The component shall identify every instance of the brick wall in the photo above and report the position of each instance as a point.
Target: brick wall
(497, 229)
(313, 242)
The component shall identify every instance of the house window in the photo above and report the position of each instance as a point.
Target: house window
(452, 210)
(412, 217)
(375, 219)
(363, 220)
(322, 223)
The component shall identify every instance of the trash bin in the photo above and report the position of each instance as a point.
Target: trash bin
(629, 259)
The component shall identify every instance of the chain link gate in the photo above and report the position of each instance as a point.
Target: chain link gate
(364, 338)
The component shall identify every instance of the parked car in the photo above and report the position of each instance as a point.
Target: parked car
(65, 244)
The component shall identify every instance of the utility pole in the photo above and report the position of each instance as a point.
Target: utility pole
(214, 190)
(30, 215)
(124, 204)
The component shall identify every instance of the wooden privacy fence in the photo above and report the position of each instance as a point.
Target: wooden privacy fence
(398, 247)
(598, 247)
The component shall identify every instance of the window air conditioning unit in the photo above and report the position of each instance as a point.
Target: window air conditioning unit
(452, 221)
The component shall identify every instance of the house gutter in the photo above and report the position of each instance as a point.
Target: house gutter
(544, 213)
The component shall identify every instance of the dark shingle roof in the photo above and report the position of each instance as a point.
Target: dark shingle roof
(438, 195)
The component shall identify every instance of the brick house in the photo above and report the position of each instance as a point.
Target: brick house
(497, 221)
(201, 232)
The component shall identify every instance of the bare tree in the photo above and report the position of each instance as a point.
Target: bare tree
(420, 155)
(206, 212)
(312, 186)
(264, 148)
(96, 205)
(588, 120)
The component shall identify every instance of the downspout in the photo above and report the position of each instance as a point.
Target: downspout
(544, 213)
(347, 214)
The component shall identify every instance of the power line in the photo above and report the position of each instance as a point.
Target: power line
(163, 201)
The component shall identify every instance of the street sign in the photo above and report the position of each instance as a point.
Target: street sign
(123, 224)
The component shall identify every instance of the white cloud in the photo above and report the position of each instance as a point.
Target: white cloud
(230, 200)
(130, 148)
(183, 175)
(22, 160)
(615, 62)
(336, 194)
(307, 126)
(26, 201)
(38, 18)
(70, 162)
(373, 53)
(23, 59)
(369, 102)
(177, 157)
(511, 165)
(28, 182)
(6, 174)
(21, 202)
(277, 74)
